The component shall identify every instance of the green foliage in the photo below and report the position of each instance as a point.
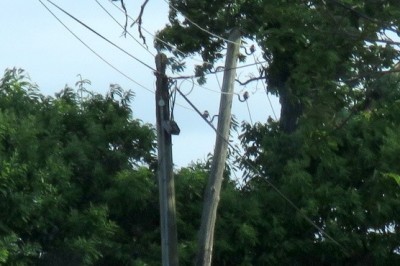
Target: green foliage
(334, 151)
(76, 179)
(190, 183)
(74, 173)
(394, 176)
(317, 52)
(343, 178)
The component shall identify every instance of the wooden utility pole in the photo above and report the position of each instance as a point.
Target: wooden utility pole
(212, 193)
(169, 242)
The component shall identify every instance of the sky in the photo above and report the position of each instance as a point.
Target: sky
(34, 40)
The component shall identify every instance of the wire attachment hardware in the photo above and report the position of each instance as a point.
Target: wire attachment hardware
(171, 127)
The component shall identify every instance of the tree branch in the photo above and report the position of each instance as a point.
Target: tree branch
(261, 76)
(139, 21)
(249, 80)
(126, 15)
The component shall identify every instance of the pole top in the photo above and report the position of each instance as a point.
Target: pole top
(161, 62)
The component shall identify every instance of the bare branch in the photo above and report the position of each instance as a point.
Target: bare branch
(261, 76)
(126, 16)
(386, 41)
(139, 21)
(249, 80)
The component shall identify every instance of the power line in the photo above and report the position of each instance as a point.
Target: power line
(116, 21)
(175, 48)
(215, 72)
(198, 26)
(193, 76)
(270, 103)
(148, 32)
(191, 89)
(266, 93)
(93, 51)
(215, 91)
(247, 103)
(219, 83)
(161, 40)
(172, 46)
(102, 58)
(101, 36)
(196, 110)
(256, 170)
(248, 110)
(220, 69)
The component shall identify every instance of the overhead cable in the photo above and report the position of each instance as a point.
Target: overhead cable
(198, 26)
(122, 26)
(219, 70)
(196, 109)
(93, 51)
(248, 110)
(101, 36)
(103, 59)
(266, 92)
(191, 76)
(161, 40)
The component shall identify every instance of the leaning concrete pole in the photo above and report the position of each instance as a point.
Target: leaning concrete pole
(212, 192)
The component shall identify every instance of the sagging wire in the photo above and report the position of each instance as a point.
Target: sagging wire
(125, 30)
(191, 89)
(92, 50)
(266, 92)
(248, 110)
(198, 26)
(172, 103)
(101, 36)
(195, 108)
(174, 48)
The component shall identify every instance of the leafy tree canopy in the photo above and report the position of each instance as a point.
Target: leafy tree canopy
(76, 186)
(333, 153)
(318, 53)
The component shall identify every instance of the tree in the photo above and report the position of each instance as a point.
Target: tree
(339, 179)
(326, 61)
(76, 181)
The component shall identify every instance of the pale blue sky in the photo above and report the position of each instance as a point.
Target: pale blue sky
(34, 40)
